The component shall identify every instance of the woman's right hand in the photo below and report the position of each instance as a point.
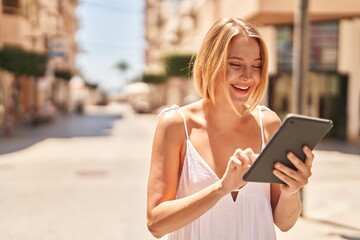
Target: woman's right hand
(239, 163)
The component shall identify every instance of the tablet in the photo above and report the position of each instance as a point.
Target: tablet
(295, 132)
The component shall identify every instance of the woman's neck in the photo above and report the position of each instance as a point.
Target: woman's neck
(222, 114)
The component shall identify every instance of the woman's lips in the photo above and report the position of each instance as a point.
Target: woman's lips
(241, 89)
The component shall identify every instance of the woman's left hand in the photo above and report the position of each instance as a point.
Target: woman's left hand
(294, 179)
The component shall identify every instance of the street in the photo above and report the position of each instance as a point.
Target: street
(85, 176)
(90, 184)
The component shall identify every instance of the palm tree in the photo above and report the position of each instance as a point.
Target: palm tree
(122, 67)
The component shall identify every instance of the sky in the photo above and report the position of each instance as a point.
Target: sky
(110, 31)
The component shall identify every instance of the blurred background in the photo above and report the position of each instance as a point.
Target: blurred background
(81, 82)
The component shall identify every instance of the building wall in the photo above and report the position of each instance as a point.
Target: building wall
(152, 33)
(205, 14)
(1, 24)
(349, 62)
(68, 25)
(269, 35)
(44, 26)
(6, 80)
(38, 23)
(20, 28)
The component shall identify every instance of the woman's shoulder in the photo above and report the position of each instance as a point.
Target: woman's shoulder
(270, 119)
(268, 113)
(186, 110)
(170, 117)
(175, 116)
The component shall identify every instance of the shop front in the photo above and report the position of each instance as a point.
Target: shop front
(325, 89)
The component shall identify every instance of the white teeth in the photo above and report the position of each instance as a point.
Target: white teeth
(241, 88)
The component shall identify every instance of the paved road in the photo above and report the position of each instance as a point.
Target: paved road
(84, 177)
(75, 185)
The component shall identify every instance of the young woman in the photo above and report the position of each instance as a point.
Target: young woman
(202, 150)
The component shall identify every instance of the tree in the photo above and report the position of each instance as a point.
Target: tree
(122, 67)
(178, 65)
(21, 62)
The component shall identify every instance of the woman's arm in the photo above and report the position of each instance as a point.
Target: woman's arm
(285, 200)
(165, 214)
(171, 215)
(285, 197)
(286, 210)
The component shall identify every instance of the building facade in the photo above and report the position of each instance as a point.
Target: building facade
(332, 82)
(45, 27)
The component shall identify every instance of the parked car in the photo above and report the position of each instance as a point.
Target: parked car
(138, 96)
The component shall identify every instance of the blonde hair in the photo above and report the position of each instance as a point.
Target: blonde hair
(211, 61)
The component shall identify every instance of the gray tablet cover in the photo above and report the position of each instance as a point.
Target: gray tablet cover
(295, 132)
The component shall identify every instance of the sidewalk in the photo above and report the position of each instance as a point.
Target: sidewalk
(331, 209)
(340, 146)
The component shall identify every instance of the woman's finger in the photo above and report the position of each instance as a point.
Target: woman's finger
(284, 177)
(242, 156)
(234, 162)
(293, 174)
(301, 167)
(251, 154)
(291, 185)
(309, 156)
(295, 160)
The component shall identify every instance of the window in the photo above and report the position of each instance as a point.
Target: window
(11, 6)
(323, 47)
(323, 42)
(285, 48)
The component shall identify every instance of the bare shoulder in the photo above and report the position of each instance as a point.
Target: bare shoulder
(170, 121)
(173, 118)
(271, 120)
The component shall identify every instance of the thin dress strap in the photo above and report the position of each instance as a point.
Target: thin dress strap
(262, 108)
(176, 107)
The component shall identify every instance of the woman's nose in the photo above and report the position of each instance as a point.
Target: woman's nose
(245, 74)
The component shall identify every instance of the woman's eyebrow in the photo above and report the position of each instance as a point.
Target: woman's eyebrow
(240, 58)
(235, 57)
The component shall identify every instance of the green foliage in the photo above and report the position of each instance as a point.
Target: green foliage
(178, 65)
(122, 66)
(22, 62)
(63, 74)
(91, 85)
(154, 78)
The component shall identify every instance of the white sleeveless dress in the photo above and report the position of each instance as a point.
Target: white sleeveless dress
(249, 217)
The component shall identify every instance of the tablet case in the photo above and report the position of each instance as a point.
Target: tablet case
(295, 132)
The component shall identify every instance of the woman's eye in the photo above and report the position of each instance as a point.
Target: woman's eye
(235, 65)
(257, 67)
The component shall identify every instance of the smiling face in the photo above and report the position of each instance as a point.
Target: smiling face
(231, 67)
(243, 71)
